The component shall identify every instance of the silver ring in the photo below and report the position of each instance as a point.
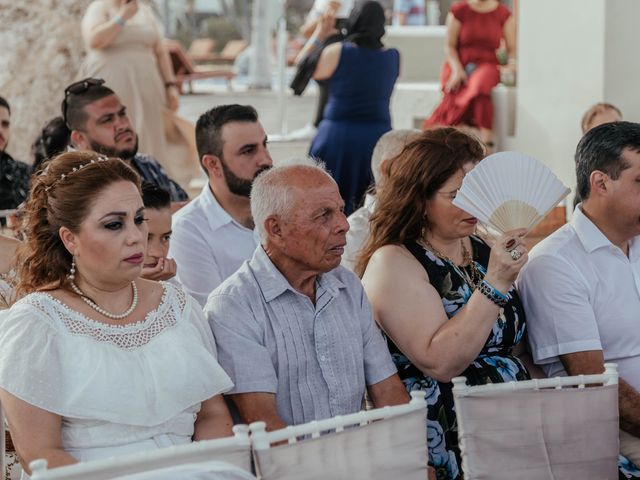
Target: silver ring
(515, 254)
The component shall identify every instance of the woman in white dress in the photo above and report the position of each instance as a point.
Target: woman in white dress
(95, 361)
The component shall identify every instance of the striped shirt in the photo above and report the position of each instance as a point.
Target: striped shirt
(317, 359)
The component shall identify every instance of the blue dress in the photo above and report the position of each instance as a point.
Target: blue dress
(356, 116)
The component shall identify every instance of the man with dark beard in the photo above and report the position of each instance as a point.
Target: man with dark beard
(98, 121)
(214, 234)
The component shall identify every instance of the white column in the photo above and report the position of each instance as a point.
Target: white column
(572, 54)
(260, 60)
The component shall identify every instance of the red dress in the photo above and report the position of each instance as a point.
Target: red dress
(478, 40)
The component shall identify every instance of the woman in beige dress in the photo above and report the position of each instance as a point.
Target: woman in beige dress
(125, 47)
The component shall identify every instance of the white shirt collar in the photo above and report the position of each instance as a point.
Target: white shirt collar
(592, 237)
(216, 215)
(589, 234)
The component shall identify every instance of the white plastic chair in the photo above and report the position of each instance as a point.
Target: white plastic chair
(235, 451)
(539, 429)
(379, 444)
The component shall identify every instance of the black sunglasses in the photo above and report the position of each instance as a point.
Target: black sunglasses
(77, 88)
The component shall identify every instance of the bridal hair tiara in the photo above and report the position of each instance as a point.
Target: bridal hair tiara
(101, 158)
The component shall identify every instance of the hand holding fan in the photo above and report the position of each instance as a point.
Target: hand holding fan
(509, 190)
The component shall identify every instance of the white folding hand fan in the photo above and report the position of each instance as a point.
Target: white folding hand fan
(509, 190)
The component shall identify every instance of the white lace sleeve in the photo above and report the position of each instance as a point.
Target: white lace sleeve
(27, 346)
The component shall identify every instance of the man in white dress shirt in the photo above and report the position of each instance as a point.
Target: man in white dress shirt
(581, 286)
(214, 234)
(388, 146)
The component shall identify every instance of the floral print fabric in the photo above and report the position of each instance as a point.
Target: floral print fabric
(494, 364)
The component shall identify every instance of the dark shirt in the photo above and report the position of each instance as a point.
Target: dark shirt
(14, 182)
(151, 171)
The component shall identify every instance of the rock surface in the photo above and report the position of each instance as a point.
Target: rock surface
(41, 54)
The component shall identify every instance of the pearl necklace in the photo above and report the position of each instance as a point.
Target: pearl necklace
(102, 311)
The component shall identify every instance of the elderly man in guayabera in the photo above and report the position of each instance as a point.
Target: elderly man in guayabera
(293, 328)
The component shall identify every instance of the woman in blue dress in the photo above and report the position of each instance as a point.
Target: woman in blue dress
(362, 74)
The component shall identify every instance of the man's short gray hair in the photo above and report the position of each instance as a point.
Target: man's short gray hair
(271, 192)
(390, 145)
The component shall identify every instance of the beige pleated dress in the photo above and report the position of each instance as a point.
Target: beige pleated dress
(129, 67)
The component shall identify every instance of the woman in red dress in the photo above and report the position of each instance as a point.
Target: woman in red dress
(474, 31)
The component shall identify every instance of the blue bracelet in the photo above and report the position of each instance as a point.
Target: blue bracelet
(120, 21)
(493, 293)
(318, 43)
(496, 291)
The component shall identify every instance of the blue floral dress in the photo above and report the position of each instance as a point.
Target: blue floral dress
(494, 364)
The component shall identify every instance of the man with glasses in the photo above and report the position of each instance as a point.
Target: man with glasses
(98, 121)
(14, 175)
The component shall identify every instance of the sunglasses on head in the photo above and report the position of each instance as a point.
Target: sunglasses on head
(78, 88)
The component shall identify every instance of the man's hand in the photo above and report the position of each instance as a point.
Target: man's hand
(164, 270)
(258, 407)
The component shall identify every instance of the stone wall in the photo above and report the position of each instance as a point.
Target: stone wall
(41, 54)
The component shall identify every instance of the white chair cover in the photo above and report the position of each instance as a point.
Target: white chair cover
(387, 449)
(213, 470)
(235, 451)
(539, 434)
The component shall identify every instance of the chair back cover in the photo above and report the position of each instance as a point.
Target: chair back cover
(212, 470)
(234, 451)
(539, 434)
(391, 448)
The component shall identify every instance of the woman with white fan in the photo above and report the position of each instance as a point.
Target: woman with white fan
(444, 298)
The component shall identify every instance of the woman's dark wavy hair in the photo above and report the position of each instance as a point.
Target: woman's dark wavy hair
(415, 175)
(53, 140)
(54, 202)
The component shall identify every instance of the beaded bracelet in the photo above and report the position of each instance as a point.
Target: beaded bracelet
(492, 293)
(120, 21)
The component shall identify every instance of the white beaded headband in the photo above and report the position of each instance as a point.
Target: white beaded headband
(101, 158)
